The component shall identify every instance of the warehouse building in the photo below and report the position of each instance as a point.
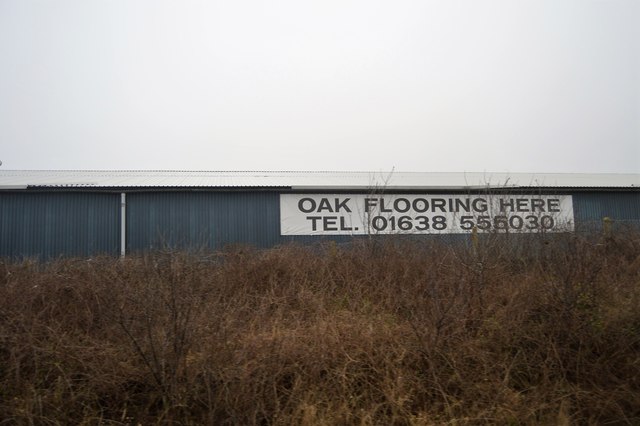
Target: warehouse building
(47, 214)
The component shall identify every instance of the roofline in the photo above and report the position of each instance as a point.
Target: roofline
(319, 189)
(316, 181)
(467, 188)
(13, 187)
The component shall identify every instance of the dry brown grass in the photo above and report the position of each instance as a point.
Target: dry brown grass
(376, 332)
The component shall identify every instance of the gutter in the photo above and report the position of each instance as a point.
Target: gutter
(12, 187)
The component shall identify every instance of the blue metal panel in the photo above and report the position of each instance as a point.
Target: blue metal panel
(202, 219)
(51, 224)
(591, 207)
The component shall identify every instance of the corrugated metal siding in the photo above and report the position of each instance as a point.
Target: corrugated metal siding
(202, 219)
(51, 224)
(591, 207)
(47, 225)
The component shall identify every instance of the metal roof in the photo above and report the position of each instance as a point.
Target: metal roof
(301, 180)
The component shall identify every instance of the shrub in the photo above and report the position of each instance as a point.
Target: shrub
(382, 331)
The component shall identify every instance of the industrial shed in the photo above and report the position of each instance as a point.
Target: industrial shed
(47, 214)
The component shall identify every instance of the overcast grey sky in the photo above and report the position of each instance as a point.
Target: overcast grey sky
(475, 85)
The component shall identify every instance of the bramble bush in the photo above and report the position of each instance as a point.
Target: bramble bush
(378, 331)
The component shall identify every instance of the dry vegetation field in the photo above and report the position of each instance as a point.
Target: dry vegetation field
(384, 332)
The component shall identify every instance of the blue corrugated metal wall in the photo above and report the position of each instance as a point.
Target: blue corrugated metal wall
(591, 207)
(202, 219)
(52, 224)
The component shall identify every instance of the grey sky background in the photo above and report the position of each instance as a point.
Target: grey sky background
(473, 85)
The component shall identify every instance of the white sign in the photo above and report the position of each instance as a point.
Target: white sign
(362, 214)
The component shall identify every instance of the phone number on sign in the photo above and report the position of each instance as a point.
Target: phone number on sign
(467, 223)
